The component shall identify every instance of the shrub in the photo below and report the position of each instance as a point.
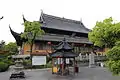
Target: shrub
(10, 62)
(114, 66)
(26, 62)
(49, 65)
(3, 66)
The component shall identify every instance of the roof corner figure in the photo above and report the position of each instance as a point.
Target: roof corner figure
(24, 18)
(1, 17)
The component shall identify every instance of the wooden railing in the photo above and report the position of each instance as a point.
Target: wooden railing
(2, 52)
(97, 58)
(44, 51)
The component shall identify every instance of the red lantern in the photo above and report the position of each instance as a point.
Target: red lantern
(84, 45)
(49, 43)
(58, 57)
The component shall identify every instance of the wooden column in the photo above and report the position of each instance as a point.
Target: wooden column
(68, 67)
(74, 65)
(62, 66)
(57, 65)
(52, 64)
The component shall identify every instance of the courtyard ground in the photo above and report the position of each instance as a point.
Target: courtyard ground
(84, 74)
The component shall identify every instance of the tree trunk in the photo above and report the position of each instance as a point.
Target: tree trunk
(31, 46)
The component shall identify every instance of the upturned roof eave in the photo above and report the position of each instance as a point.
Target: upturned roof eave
(43, 21)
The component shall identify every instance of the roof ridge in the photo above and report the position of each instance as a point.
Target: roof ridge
(65, 19)
(79, 24)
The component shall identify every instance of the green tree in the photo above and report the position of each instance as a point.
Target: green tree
(31, 31)
(114, 59)
(105, 33)
(11, 47)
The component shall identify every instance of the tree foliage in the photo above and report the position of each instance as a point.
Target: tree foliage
(11, 47)
(31, 31)
(105, 33)
(114, 59)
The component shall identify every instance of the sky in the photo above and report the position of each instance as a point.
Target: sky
(89, 11)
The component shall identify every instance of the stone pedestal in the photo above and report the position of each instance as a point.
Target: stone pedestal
(18, 67)
(80, 57)
(91, 60)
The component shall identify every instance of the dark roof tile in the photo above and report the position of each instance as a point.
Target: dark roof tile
(62, 24)
(63, 46)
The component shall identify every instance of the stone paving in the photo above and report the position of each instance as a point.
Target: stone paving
(84, 74)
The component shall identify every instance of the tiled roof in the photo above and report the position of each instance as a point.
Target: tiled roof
(63, 50)
(60, 38)
(53, 22)
(63, 45)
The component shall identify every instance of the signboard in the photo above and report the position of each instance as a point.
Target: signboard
(67, 61)
(38, 60)
(60, 60)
